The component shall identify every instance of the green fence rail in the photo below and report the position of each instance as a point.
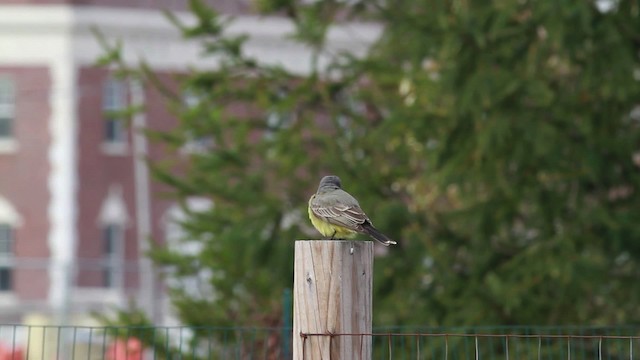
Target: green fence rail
(21, 342)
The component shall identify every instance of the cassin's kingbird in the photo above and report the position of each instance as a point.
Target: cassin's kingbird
(334, 212)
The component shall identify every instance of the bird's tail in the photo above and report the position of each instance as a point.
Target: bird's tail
(377, 235)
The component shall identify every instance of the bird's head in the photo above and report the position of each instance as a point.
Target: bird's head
(329, 182)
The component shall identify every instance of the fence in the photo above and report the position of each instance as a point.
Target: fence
(190, 343)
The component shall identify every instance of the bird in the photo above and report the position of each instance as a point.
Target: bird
(335, 213)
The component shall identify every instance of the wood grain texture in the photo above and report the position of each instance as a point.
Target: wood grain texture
(332, 295)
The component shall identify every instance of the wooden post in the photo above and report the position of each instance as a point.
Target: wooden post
(332, 295)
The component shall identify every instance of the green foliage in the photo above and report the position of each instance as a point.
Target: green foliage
(528, 145)
(495, 140)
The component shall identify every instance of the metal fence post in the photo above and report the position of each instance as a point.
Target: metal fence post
(287, 307)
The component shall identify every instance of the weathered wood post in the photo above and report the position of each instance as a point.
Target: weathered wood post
(332, 295)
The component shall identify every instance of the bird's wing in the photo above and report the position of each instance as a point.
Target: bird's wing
(348, 216)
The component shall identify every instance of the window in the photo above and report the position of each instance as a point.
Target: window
(7, 108)
(6, 257)
(190, 99)
(9, 220)
(179, 240)
(114, 131)
(112, 240)
(114, 101)
(197, 141)
(279, 116)
(112, 220)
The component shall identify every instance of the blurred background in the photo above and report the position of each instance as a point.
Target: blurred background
(156, 158)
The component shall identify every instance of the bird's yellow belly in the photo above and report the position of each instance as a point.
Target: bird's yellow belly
(330, 230)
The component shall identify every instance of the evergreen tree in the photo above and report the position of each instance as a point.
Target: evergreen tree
(496, 141)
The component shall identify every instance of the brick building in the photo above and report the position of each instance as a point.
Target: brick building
(76, 201)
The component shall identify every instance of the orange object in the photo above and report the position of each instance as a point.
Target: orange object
(11, 353)
(131, 349)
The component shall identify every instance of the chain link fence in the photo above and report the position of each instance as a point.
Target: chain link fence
(22, 342)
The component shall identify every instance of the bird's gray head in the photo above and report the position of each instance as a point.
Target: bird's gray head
(329, 182)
